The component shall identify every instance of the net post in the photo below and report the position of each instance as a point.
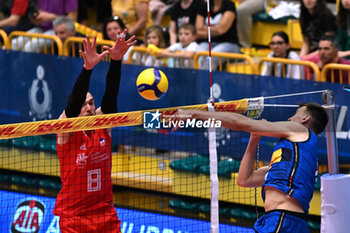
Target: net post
(332, 146)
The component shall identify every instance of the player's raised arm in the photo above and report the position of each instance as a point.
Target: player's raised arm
(117, 51)
(81, 87)
(78, 96)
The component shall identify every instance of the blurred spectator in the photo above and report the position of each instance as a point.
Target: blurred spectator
(112, 26)
(155, 42)
(245, 11)
(64, 27)
(185, 49)
(315, 21)
(158, 9)
(155, 35)
(135, 14)
(102, 8)
(49, 10)
(327, 53)
(343, 22)
(16, 15)
(222, 28)
(184, 11)
(280, 48)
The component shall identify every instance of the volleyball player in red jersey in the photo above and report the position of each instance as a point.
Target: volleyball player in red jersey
(85, 202)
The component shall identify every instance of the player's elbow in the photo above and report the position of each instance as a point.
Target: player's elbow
(246, 184)
(247, 181)
(242, 182)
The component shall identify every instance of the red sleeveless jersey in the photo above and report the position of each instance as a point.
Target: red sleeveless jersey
(85, 165)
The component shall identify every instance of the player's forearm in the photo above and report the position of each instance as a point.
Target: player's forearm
(228, 120)
(78, 95)
(247, 175)
(109, 101)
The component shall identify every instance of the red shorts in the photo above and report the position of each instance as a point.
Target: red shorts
(105, 221)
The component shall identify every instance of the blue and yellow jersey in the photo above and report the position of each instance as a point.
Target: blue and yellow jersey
(293, 169)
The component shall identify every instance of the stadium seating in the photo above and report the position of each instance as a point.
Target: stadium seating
(52, 45)
(264, 26)
(72, 46)
(190, 164)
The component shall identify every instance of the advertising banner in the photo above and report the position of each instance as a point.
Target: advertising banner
(23, 213)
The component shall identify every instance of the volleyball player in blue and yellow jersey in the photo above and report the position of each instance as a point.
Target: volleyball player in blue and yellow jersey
(292, 171)
(288, 181)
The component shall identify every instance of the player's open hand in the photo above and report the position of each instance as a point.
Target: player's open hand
(121, 45)
(90, 56)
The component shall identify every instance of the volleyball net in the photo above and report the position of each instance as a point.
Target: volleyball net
(163, 181)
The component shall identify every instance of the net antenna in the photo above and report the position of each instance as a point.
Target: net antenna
(209, 44)
(214, 180)
(213, 158)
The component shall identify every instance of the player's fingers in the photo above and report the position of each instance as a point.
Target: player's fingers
(94, 41)
(88, 41)
(118, 35)
(130, 39)
(104, 53)
(105, 47)
(132, 43)
(121, 37)
(125, 31)
(83, 55)
(84, 44)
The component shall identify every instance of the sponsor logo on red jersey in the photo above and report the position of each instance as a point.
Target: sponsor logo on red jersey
(81, 159)
(102, 142)
(83, 147)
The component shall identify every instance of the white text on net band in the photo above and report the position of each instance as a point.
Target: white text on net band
(192, 123)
